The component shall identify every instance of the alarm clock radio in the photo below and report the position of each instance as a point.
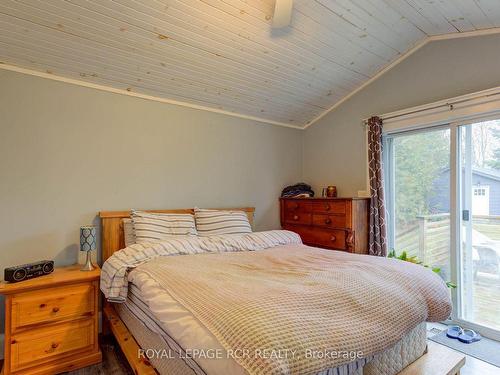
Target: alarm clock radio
(28, 271)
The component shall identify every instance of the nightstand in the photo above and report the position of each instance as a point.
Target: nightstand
(51, 322)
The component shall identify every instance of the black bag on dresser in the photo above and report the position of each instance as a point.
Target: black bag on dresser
(298, 190)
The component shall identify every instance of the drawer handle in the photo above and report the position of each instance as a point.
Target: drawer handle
(327, 207)
(55, 309)
(333, 238)
(53, 347)
(295, 217)
(328, 221)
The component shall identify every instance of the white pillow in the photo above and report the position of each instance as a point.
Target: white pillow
(128, 232)
(155, 227)
(216, 222)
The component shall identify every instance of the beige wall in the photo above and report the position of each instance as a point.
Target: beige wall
(334, 148)
(67, 152)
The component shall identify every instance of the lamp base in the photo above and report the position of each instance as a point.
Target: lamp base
(88, 264)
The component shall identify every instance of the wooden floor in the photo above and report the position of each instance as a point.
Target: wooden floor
(113, 361)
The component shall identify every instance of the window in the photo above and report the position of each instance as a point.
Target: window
(480, 191)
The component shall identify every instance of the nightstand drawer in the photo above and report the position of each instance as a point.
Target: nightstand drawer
(50, 343)
(52, 305)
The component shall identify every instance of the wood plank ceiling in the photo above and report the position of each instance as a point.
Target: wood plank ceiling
(223, 54)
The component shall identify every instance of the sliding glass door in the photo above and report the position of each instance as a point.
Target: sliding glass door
(479, 201)
(443, 202)
(418, 198)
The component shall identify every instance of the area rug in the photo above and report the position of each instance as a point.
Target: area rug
(486, 350)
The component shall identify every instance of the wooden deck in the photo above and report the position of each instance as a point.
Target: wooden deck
(430, 241)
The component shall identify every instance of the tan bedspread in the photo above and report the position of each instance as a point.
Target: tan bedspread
(302, 299)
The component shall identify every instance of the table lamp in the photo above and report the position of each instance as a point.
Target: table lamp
(88, 243)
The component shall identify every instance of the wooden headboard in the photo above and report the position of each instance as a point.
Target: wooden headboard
(112, 235)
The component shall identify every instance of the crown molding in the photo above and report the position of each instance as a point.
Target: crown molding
(400, 59)
(96, 86)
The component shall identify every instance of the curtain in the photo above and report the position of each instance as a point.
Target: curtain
(377, 239)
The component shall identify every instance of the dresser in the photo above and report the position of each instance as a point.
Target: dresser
(51, 322)
(330, 223)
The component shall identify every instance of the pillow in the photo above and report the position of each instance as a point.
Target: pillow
(216, 222)
(128, 232)
(155, 227)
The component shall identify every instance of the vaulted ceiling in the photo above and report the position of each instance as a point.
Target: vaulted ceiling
(223, 54)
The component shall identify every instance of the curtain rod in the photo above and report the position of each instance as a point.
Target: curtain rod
(449, 104)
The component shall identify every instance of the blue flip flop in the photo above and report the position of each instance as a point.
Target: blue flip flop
(469, 336)
(454, 332)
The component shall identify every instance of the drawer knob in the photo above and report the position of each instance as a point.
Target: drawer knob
(55, 309)
(42, 305)
(333, 238)
(295, 217)
(296, 205)
(328, 221)
(327, 207)
(53, 347)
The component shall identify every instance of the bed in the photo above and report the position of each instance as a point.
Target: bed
(139, 324)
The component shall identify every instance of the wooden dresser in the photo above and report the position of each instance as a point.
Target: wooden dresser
(330, 223)
(51, 322)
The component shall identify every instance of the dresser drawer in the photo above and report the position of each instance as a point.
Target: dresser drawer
(335, 239)
(298, 205)
(50, 343)
(329, 221)
(331, 238)
(52, 305)
(298, 218)
(329, 206)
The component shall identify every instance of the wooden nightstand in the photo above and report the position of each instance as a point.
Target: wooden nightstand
(51, 322)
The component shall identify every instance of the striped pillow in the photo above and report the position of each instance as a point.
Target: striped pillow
(128, 232)
(216, 222)
(155, 227)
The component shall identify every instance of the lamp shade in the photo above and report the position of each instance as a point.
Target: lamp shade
(87, 238)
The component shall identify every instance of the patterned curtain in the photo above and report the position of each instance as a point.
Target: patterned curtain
(377, 241)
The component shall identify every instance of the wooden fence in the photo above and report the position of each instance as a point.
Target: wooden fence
(429, 238)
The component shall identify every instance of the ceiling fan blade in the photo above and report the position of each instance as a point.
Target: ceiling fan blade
(282, 13)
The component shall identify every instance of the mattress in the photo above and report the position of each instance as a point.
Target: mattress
(168, 339)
